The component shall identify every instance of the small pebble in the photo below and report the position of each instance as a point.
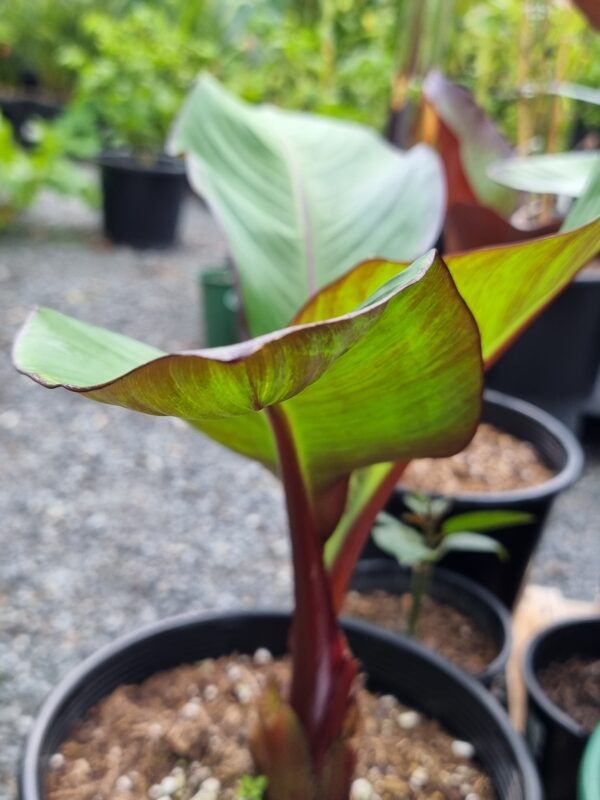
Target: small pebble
(462, 749)
(408, 720)
(419, 778)
(209, 790)
(57, 761)
(262, 656)
(211, 692)
(244, 693)
(472, 796)
(190, 710)
(155, 730)
(361, 789)
(124, 784)
(234, 673)
(170, 785)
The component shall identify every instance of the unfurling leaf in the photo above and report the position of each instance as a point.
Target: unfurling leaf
(281, 750)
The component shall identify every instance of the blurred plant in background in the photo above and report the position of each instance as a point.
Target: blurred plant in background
(24, 172)
(510, 53)
(125, 65)
(133, 74)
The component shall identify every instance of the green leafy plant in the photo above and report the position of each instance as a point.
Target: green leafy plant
(381, 365)
(428, 533)
(24, 172)
(32, 33)
(133, 73)
(252, 787)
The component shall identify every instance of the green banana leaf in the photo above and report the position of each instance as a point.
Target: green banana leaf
(303, 198)
(505, 288)
(587, 206)
(554, 173)
(398, 378)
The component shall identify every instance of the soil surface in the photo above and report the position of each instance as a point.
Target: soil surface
(574, 686)
(494, 461)
(183, 733)
(441, 627)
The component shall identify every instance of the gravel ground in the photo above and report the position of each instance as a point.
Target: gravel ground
(111, 520)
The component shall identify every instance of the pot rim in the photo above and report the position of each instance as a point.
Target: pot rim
(565, 477)
(68, 686)
(534, 687)
(125, 161)
(477, 591)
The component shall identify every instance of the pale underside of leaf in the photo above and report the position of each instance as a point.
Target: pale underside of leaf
(302, 198)
(554, 173)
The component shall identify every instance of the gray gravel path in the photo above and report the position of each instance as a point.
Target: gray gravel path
(110, 520)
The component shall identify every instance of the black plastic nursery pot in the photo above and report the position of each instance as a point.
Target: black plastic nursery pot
(589, 770)
(141, 202)
(555, 363)
(555, 739)
(416, 676)
(562, 453)
(20, 111)
(487, 613)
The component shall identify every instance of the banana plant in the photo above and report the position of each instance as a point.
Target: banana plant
(381, 365)
(362, 377)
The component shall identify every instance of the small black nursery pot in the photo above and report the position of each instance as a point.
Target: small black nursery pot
(562, 453)
(556, 740)
(141, 202)
(20, 111)
(555, 362)
(480, 606)
(415, 675)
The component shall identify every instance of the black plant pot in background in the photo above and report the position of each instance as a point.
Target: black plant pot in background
(555, 363)
(482, 607)
(417, 676)
(141, 202)
(20, 111)
(559, 449)
(557, 741)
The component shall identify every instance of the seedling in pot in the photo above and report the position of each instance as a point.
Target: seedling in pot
(381, 366)
(428, 533)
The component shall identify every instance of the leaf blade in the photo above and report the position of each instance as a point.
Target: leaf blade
(362, 407)
(303, 198)
(481, 521)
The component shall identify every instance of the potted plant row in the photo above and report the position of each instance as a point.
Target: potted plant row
(133, 72)
(551, 460)
(562, 676)
(367, 349)
(555, 363)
